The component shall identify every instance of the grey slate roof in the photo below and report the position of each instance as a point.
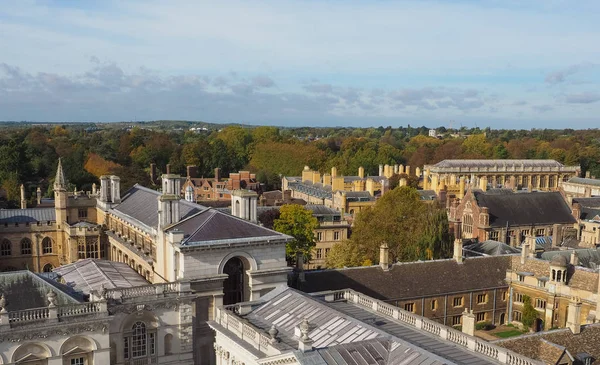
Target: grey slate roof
(320, 209)
(141, 204)
(489, 248)
(212, 225)
(499, 163)
(588, 257)
(584, 181)
(590, 207)
(25, 290)
(525, 209)
(91, 274)
(413, 279)
(427, 194)
(29, 215)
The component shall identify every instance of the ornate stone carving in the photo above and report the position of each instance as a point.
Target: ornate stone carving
(2, 304)
(51, 296)
(62, 330)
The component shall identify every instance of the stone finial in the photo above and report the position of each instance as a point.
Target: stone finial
(2, 304)
(304, 328)
(273, 332)
(51, 296)
(305, 343)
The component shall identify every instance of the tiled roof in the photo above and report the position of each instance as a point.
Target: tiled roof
(27, 215)
(320, 209)
(413, 279)
(584, 181)
(25, 290)
(525, 209)
(587, 257)
(141, 204)
(546, 346)
(211, 225)
(91, 274)
(582, 278)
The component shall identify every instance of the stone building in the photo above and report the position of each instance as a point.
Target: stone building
(216, 188)
(513, 174)
(159, 235)
(474, 283)
(587, 212)
(564, 293)
(505, 216)
(343, 327)
(44, 322)
(580, 187)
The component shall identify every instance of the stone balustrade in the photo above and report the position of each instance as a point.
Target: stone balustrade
(472, 343)
(145, 291)
(258, 338)
(34, 316)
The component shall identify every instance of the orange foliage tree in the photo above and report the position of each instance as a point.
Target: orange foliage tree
(98, 166)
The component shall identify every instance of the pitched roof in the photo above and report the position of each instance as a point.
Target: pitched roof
(211, 225)
(525, 209)
(489, 248)
(497, 163)
(141, 204)
(584, 181)
(25, 290)
(587, 257)
(92, 274)
(27, 215)
(413, 279)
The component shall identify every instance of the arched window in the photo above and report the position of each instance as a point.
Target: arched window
(168, 344)
(558, 275)
(5, 248)
(25, 246)
(140, 342)
(48, 268)
(553, 274)
(47, 245)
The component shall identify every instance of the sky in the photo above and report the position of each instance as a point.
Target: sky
(497, 63)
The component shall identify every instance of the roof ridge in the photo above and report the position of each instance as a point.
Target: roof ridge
(248, 222)
(209, 210)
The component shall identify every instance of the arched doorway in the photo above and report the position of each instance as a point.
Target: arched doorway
(48, 268)
(539, 325)
(233, 287)
(502, 318)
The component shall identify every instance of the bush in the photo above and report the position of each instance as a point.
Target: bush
(484, 326)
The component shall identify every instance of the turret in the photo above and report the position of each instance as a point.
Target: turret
(115, 189)
(60, 195)
(60, 183)
(243, 204)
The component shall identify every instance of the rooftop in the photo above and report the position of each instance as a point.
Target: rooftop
(500, 164)
(93, 274)
(26, 290)
(489, 248)
(29, 215)
(584, 181)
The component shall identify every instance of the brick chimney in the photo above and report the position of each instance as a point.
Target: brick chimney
(217, 174)
(192, 171)
(573, 315)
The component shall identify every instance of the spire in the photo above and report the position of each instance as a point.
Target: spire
(59, 180)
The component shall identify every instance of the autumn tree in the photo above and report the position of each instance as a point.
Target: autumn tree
(298, 222)
(98, 166)
(401, 220)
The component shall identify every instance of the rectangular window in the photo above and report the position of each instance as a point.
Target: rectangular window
(458, 301)
(480, 317)
(433, 304)
(409, 307)
(319, 253)
(540, 303)
(494, 235)
(481, 298)
(517, 316)
(521, 278)
(319, 236)
(541, 284)
(525, 232)
(152, 337)
(540, 232)
(326, 252)
(336, 236)
(78, 361)
(126, 347)
(456, 320)
(82, 213)
(504, 295)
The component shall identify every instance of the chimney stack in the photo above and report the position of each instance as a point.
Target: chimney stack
(574, 258)
(361, 172)
(380, 170)
(192, 171)
(468, 322)
(23, 200)
(574, 314)
(524, 250)
(384, 256)
(153, 172)
(168, 169)
(458, 250)
(217, 174)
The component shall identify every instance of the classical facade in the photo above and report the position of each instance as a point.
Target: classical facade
(344, 327)
(587, 212)
(543, 175)
(580, 187)
(505, 216)
(159, 235)
(333, 228)
(44, 322)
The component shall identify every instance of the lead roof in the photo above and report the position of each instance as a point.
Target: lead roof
(29, 215)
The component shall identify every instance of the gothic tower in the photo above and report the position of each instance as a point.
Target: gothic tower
(60, 196)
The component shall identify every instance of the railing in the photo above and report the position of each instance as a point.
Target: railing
(124, 294)
(29, 315)
(247, 332)
(80, 309)
(472, 343)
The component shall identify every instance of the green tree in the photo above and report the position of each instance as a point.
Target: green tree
(298, 222)
(529, 313)
(401, 220)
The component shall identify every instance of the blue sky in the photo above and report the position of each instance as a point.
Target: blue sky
(504, 64)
